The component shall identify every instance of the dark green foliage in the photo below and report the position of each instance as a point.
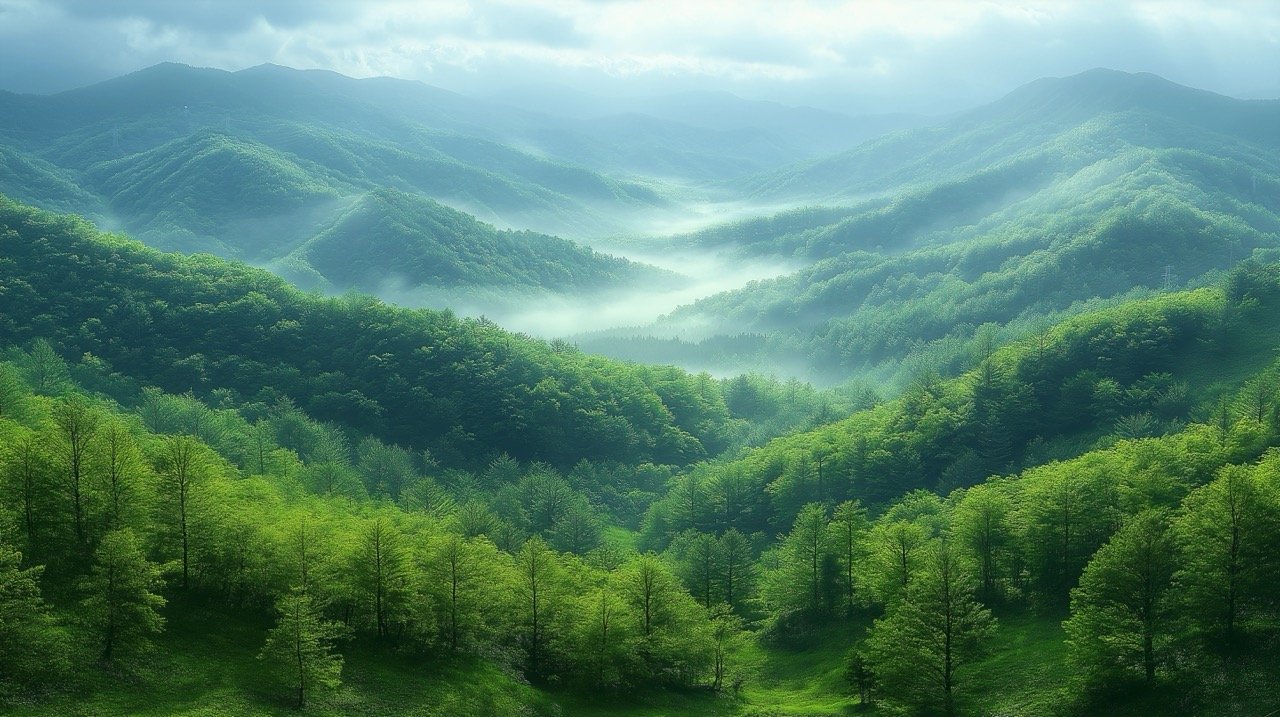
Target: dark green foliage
(416, 378)
(1050, 391)
(33, 648)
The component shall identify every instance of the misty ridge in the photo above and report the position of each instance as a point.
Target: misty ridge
(675, 228)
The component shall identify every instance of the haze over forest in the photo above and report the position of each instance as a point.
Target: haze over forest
(639, 357)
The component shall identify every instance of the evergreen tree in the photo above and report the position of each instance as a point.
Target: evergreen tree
(737, 570)
(31, 645)
(697, 556)
(299, 650)
(120, 603)
(806, 547)
(894, 550)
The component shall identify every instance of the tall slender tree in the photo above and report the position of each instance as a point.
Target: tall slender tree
(120, 599)
(299, 650)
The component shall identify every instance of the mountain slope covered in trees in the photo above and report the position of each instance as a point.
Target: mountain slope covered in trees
(388, 236)
(221, 494)
(385, 132)
(1125, 436)
(462, 388)
(252, 165)
(1082, 189)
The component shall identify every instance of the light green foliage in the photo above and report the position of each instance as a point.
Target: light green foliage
(1121, 625)
(121, 604)
(122, 477)
(919, 647)
(467, 584)
(44, 370)
(540, 595)
(186, 468)
(386, 470)
(32, 647)
(14, 399)
(381, 575)
(606, 637)
(798, 583)
(671, 627)
(30, 487)
(894, 550)
(299, 650)
(1226, 532)
(982, 528)
(76, 425)
(846, 534)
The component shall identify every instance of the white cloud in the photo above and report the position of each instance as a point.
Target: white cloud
(881, 54)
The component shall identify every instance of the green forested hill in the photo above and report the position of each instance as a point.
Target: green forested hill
(1139, 369)
(465, 389)
(1088, 188)
(504, 164)
(212, 188)
(220, 494)
(159, 554)
(390, 236)
(251, 165)
(1148, 109)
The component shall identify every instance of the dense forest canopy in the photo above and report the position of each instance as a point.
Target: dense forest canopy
(461, 388)
(1033, 467)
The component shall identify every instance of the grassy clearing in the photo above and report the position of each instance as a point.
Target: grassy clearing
(1023, 675)
(206, 665)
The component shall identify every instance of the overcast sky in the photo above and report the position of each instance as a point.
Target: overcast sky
(864, 55)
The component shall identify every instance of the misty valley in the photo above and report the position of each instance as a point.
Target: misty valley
(343, 396)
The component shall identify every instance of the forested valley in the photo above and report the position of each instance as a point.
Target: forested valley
(1126, 547)
(336, 396)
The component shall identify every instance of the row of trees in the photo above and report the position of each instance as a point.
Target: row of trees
(104, 517)
(1158, 550)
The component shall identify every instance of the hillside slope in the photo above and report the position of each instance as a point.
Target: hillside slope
(389, 237)
(1083, 189)
(465, 389)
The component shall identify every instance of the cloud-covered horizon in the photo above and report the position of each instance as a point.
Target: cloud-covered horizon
(858, 56)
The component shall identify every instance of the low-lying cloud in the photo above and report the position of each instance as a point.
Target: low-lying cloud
(548, 315)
